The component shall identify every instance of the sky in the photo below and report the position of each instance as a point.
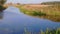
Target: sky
(28, 1)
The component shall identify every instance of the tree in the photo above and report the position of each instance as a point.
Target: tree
(2, 2)
(1, 5)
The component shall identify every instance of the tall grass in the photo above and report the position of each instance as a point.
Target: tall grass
(48, 31)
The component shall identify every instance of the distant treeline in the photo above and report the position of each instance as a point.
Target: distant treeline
(51, 3)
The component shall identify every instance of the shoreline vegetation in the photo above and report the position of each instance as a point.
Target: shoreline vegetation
(48, 31)
(45, 10)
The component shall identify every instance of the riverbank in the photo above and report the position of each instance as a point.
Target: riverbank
(48, 10)
(42, 10)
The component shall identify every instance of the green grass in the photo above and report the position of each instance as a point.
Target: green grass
(33, 13)
(48, 31)
(38, 13)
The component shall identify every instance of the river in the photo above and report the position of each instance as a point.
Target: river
(14, 22)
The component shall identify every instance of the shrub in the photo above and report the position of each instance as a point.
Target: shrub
(2, 2)
(2, 8)
(36, 13)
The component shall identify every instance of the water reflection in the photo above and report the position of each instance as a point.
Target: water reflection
(51, 18)
(1, 15)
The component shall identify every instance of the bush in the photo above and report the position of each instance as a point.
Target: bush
(2, 1)
(1, 5)
(2, 8)
(36, 13)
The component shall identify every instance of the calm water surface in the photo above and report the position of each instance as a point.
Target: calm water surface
(14, 22)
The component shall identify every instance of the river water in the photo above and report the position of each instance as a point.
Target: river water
(15, 22)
